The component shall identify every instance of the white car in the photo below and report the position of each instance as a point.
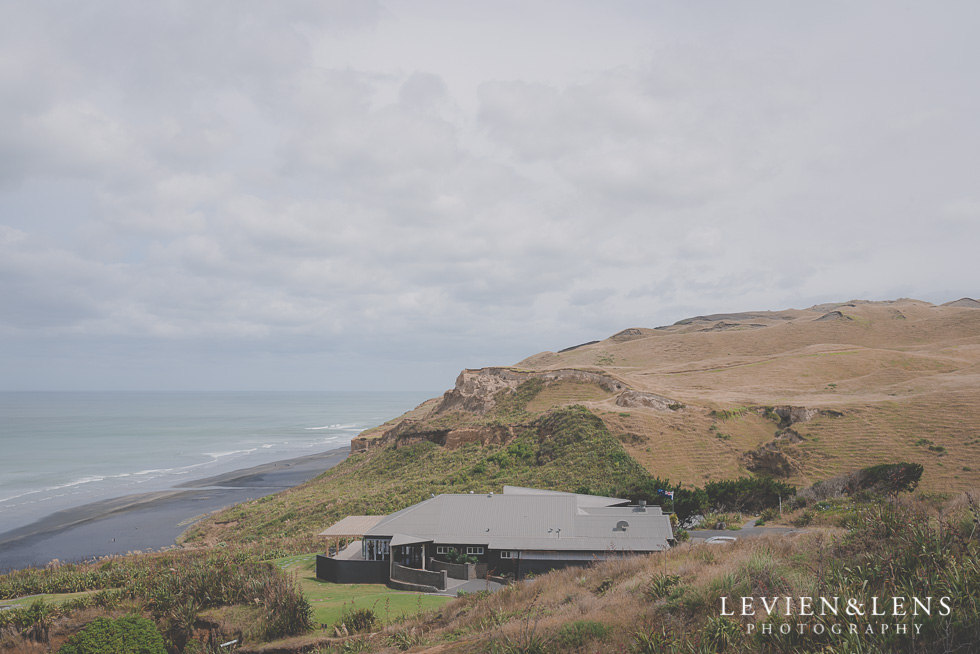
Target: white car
(720, 540)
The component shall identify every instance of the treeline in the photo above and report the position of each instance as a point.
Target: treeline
(887, 479)
(755, 494)
(745, 495)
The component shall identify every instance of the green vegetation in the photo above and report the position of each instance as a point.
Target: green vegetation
(575, 635)
(729, 414)
(129, 635)
(567, 449)
(749, 494)
(172, 588)
(888, 478)
(511, 406)
(329, 601)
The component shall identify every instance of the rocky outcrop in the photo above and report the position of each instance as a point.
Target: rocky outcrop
(575, 347)
(475, 393)
(729, 326)
(832, 316)
(634, 399)
(790, 415)
(965, 302)
(411, 432)
(788, 435)
(627, 335)
(769, 459)
(475, 390)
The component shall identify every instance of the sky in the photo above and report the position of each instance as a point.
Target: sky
(317, 195)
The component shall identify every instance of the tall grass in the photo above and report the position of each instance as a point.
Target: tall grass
(173, 588)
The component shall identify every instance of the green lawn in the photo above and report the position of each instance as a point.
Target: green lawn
(328, 599)
(52, 598)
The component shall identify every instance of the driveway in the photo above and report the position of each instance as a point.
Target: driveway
(748, 530)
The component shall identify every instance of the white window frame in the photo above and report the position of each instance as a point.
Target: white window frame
(444, 549)
(474, 551)
(508, 554)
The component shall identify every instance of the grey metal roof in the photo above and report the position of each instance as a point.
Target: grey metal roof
(582, 500)
(551, 521)
(352, 525)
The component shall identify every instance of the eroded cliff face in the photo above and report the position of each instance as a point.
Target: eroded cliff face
(636, 399)
(476, 390)
(480, 408)
(475, 395)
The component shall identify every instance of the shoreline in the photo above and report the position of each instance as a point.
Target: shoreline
(153, 520)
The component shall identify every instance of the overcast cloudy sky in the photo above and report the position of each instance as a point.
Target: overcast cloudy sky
(331, 195)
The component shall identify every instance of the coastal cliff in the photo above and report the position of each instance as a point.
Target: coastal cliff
(789, 393)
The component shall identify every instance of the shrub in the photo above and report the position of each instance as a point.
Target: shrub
(887, 478)
(746, 493)
(129, 635)
(357, 620)
(803, 519)
(721, 633)
(576, 634)
(406, 639)
(660, 586)
(455, 556)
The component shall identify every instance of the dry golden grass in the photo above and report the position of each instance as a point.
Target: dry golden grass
(612, 592)
(899, 371)
(566, 392)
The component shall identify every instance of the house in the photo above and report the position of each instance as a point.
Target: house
(521, 531)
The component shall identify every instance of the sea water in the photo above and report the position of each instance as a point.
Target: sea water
(60, 450)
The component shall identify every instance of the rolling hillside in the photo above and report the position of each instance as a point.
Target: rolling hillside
(871, 382)
(801, 395)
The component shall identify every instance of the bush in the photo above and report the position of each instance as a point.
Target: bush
(750, 494)
(576, 634)
(129, 635)
(660, 586)
(887, 478)
(357, 620)
(455, 556)
(803, 519)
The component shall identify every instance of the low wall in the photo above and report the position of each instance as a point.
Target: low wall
(339, 571)
(413, 588)
(465, 571)
(436, 579)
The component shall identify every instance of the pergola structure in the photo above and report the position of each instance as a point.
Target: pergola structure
(353, 527)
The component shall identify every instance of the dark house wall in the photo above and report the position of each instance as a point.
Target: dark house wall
(500, 567)
(351, 572)
(540, 567)
(461, 549)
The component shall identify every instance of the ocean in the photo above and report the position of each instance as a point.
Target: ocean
(61, 450)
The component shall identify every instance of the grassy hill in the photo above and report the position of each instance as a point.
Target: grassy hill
(866, 383)
(801, 394)
(567, 449)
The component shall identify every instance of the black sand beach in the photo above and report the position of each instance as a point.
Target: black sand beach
(150, 520)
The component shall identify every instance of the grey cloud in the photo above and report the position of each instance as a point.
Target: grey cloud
(277, 181)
